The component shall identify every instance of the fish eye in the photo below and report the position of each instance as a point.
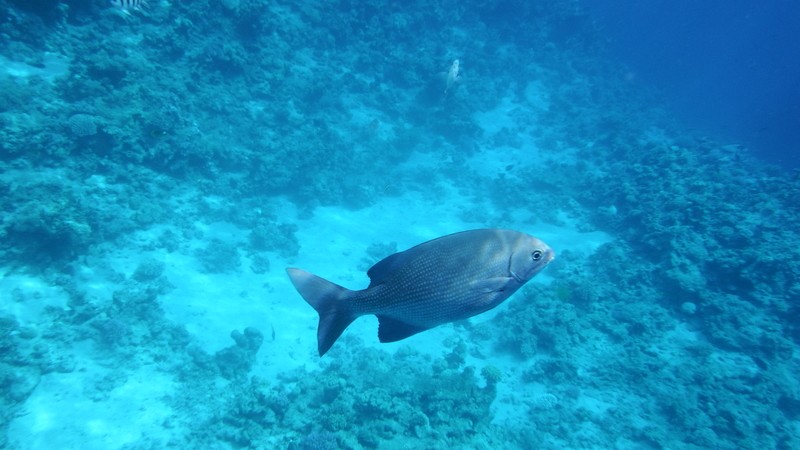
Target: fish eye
(536, 255)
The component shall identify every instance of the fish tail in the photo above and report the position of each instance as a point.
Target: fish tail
(329, 300)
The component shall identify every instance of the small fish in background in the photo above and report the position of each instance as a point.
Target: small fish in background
(125, 7)
(450, 278)
(452, 76)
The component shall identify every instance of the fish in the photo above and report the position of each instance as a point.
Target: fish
(453, 75)
(443, 280)
(126, 6)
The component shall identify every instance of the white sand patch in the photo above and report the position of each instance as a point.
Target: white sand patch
(68, 410)
(519, 118)
(51, 67)
(501, 160)
(25, 297)
(502, 116)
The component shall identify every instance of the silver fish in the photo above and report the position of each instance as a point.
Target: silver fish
(453, 75)
(443, 280)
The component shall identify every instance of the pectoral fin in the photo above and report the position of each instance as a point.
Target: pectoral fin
(490, 285)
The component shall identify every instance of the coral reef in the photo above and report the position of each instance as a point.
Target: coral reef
(381, 400)
(203, 136)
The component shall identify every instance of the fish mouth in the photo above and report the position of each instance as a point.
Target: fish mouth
(516, 277)
(549, 256)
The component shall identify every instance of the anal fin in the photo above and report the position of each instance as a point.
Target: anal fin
(392, 330)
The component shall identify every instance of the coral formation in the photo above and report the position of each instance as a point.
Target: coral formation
(237, 360)
(219, 257)
(82, 125)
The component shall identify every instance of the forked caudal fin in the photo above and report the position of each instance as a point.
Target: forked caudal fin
(330, 301)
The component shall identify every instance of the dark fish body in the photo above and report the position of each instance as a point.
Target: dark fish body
(443, 280)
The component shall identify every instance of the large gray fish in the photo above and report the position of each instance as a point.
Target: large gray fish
(447, 279)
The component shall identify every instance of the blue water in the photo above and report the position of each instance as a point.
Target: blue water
(726, 68)
(161, 166)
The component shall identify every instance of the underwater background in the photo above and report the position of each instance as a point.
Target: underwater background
(161, 164)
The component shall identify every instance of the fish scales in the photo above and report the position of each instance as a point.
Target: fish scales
(443, 280)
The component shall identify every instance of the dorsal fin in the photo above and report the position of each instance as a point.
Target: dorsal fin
(385, 267)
